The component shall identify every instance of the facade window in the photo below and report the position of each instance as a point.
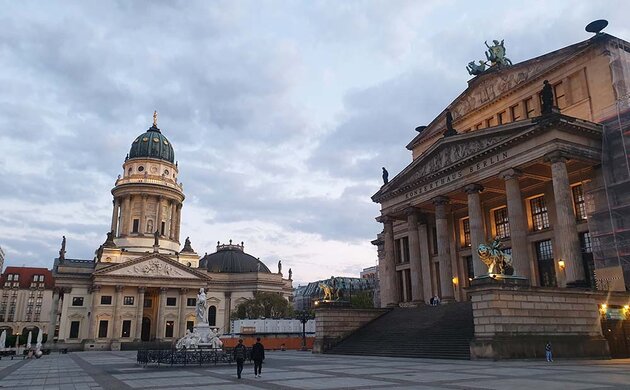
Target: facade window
(38, 309)
(515, 111)
(126, 328)
(558, 93)
(190, 302)
(74, 330)
(466, 232)
(502, 117)
(529, 108)
(77, 301)
(540, 217)
(470, 271)
(29, 309)
(136, 226)
(501, 223)
(171, 301)
(168, 332)
(190, 325)
(128, 301)
(163, 228)
(546, 266)
(106, 300)
(102, 329)
(148, 302)
(579, 203)
(212, 315)
(585, 242)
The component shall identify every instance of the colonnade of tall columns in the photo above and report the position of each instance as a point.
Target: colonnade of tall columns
(122, 218)
(567, 245)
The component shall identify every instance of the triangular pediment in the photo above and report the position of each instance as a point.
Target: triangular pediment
(494, 84)
(153, 265)
(450, 152)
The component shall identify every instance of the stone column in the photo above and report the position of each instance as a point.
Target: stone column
(92, 324)
(179, 221)
(387, 270)
(443, 239)
(158, 222)
(425, 257)
(139, 312)
(518, 223)
(227, 312)
(53, 312)
(116, 311)
(115, 216)
(565, 232)
(477, 231)
(125, 214)
(415, 262)
(143, 223)
(159, 329)
(171, 229)
(182, 311)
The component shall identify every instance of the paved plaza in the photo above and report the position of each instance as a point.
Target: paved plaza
(303, 370)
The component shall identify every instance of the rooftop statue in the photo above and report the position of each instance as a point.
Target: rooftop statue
(498, 262)
(546, 98)
(496, 54)
(385, 176)
(475, 70)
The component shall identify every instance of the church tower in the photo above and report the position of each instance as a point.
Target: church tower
(147, 197)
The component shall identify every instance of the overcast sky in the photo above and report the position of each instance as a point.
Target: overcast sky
(281, 113)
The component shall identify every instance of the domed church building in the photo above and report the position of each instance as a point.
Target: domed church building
(142, 283)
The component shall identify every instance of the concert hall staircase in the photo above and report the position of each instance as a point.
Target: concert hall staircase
(438, 332)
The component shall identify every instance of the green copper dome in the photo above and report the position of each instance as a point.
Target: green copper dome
(152, 144)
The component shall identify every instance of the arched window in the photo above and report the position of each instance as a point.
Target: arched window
(212, 315)
(149, 226)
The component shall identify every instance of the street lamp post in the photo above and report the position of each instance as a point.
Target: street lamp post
(303, 316)
(17, 344)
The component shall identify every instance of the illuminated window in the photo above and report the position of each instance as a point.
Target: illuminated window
(128, 301)
(77, 301)
(540, 217)
(168, 332)
(501, 223)
(585, 242)
(578, 203)
(466, 231)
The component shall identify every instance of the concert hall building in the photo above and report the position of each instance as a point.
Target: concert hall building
(555, 188)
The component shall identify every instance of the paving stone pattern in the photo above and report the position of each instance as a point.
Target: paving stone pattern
(303, 370)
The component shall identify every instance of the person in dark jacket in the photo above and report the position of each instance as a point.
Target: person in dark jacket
(258, 355)
(240, 352)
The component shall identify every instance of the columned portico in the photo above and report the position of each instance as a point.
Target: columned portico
(387, 270)
(477, 231)
(518, 225)
(565, 233)
(161, 306)
(415, 261)
(443, 243)
(139, 312)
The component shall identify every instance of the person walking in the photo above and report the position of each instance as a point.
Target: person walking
(548, 354)
(240, 352)
(258, 355)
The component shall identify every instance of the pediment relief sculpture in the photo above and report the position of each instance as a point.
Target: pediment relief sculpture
(154, 267)
(450, 154)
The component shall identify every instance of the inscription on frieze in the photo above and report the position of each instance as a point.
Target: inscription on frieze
(437, 183)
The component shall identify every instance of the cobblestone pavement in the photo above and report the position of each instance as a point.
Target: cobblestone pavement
(303, 370)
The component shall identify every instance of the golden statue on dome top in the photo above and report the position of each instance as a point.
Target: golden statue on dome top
(155, 118)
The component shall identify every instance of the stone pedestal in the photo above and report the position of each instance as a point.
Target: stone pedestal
(513, 321)
(500, 281)
(333, 324)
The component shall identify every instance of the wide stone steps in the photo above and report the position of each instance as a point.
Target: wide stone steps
(439, 332)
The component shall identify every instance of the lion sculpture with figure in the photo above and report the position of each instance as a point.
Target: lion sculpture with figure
(497, 261)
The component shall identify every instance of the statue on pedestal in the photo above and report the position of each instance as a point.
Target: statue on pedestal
(385, 176)
(202, 307)
(498, 262)
(546, 98)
